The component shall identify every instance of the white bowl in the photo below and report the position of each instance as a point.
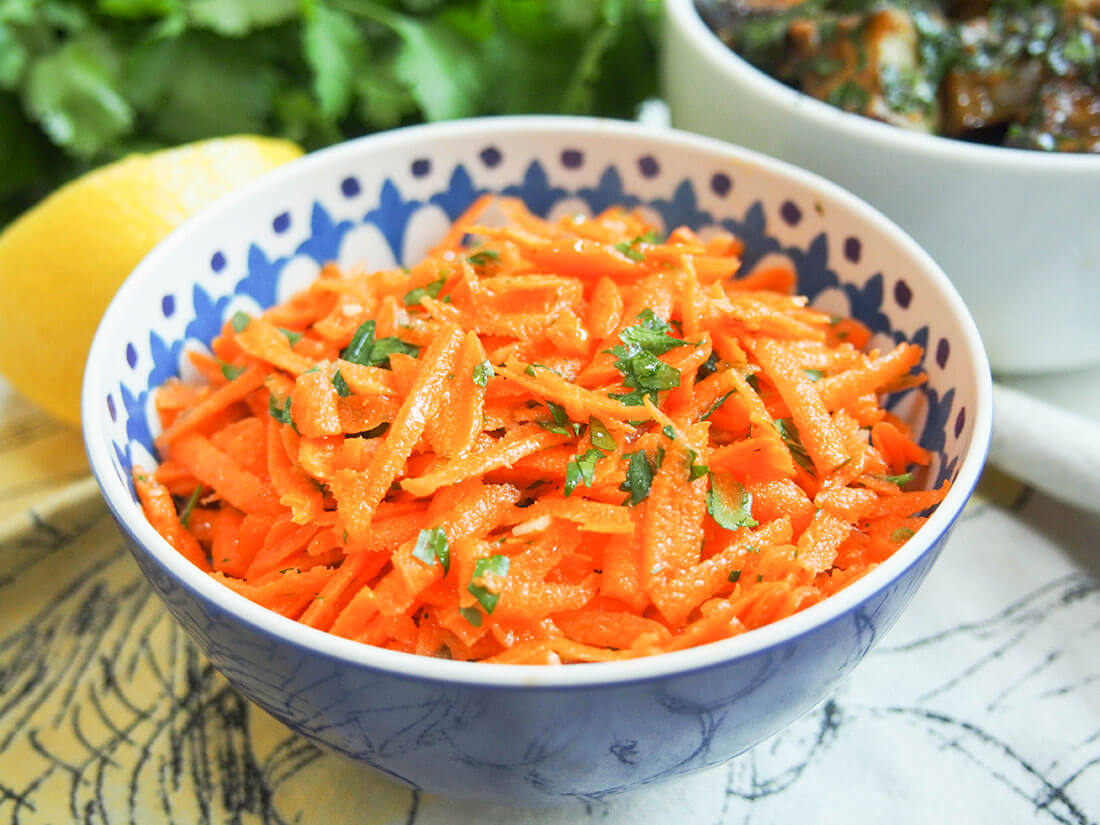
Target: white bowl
(1018, 232)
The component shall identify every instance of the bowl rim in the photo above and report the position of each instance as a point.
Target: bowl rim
(502, 676)
(684, 18)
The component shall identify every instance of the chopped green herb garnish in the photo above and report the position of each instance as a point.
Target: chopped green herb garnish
(901, 534)
(470, 614)
(668, 432)
(529, 370)
(432, 546)
(901, 479)
(734, 575)
(192, 500)
(639, 477)
(280, 412)
(710, 366)
(365, 350)
(240, 321)
(413, 296)
(716, 405)
(482, 373)
(598, 434)
(789, 434)
(483, 257)
(292, 336)
(695, 470)
(636, 358)
(491, 566)
(630, 251)
(814, 375)
(651, 334)
(342, 388)
(230, 372)
(373, 432)
(561, 423)
(732, 509)
(581, 469)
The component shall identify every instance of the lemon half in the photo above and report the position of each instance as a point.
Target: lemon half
(62, 261)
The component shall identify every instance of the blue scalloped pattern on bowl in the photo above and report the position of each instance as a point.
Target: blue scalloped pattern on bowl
(392, 213)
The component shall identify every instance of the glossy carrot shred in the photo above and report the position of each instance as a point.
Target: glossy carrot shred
(547, 442)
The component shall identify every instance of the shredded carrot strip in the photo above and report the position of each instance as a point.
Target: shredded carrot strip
(548, 442)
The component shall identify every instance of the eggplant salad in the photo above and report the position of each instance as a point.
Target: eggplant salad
(1017, 73)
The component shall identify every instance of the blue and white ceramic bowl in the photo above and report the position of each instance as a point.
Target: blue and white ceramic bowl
(529, 735)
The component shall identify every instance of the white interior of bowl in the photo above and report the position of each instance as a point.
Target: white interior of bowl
(257, 229)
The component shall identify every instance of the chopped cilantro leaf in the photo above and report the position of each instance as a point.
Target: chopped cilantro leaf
(793, 441)
(192, 500)
(630, 251)
(365, 350)
(668, 432)
(482, 373)
(230, 372)
(901, 534)
(581, 469)
(483, 257)
(491, 566)
(342, 388)
(413, 296)
(716, 405)
(292, 336)
(432, 546)
(280, 412)
(814, 375)
(639, 477)
(695, 470)
(901, 479)
(730, 504)
(651, 334)
(471, 614)
(734, 575)
(598, 434)
(240, 321)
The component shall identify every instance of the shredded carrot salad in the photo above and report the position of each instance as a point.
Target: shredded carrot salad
(548, 442)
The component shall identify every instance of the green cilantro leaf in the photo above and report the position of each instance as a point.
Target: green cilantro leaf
(432, 290)
(901, 479)
(651, 334)
(230, 372)
(471, 614)
(482, 373)
(240, 321)
(431, 546)
(716, 405)
(814, 375)
(494, 566)
(483, 257)
(734, 575)
(581, 469)
(639, 477)
(291, 336)
(341, 385)
(598, 434)
(192, 500)
(334, 49)
(791, 438)
(730, 504)
(280, 412)
(901, 534)
(365, 350)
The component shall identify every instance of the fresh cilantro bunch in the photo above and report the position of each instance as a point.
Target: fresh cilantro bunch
(83, 83)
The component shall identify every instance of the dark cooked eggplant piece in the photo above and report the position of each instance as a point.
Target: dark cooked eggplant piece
(1067, 119)
(976, 100)
(869, 64)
